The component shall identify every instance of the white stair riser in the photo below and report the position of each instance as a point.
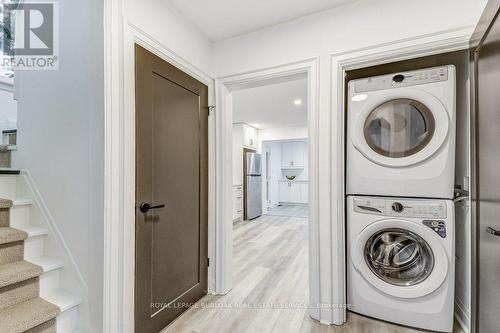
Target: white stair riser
(8, 186)
(49, 282)
(33, 247)
(67, 321)
(23, 210)
(20, 216)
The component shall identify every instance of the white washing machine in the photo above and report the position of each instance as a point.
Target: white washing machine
(400, 260)
(401, 134)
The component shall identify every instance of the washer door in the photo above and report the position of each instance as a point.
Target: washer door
(399, 128)
(400, 258)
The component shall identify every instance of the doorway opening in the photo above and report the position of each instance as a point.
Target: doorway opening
(271, 177)
(270, 199)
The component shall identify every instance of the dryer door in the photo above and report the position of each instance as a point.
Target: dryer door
(400, 258)
(400, 127)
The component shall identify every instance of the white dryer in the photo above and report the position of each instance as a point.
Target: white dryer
(401, 134)
(400, 260)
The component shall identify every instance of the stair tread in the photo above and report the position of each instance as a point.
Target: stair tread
(64, 300)
(33, 231)
(5, 203)
(18, 271)
(10, 235)
(22, 202)
(26, 315)
(47, 263)
(9, 171)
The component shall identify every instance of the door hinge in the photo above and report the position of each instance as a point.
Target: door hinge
(211, 109)
(208, 262)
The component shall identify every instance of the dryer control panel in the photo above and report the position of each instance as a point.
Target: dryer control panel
(403, 79)
(393, 207)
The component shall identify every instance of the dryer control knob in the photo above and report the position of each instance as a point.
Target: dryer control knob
(397, 207)
(398, 78)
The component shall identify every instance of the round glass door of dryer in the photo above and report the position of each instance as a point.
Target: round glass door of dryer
(399, 257)
(399, 128)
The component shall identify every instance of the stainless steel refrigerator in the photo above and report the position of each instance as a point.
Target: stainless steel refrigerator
(253, 185)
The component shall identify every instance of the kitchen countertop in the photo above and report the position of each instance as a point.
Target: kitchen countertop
(293, 181)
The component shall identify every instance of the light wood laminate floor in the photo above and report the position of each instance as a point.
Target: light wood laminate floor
(270, 270)
(289, 210)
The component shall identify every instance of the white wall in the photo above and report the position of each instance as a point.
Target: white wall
(61, 141)
(353, 26)
(8, 111)
(160, 20)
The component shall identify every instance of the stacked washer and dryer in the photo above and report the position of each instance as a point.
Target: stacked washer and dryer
(400, 184)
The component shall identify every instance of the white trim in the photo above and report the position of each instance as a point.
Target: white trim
(410, 48)
(33, 197)
(224, 86)
(114, 310)
(119, 237)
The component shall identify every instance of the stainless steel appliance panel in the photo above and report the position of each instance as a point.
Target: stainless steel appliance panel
(253, 196)
(253, 163)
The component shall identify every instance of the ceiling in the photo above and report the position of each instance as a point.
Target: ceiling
(272, 105)
(220, 19)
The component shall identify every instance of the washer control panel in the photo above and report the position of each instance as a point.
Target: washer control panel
(416, 208)
(438, 226)
(427, 209)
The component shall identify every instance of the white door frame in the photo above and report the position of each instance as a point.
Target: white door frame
(223, 128)
(119, 220)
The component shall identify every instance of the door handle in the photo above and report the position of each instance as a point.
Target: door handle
(145, 207)
(492, 231)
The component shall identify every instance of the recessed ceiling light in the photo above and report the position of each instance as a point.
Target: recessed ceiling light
(359, 98)
(297, 102)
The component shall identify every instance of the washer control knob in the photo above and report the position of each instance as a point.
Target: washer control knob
(397, 207)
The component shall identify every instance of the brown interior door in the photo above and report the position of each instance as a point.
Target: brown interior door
(171, 170)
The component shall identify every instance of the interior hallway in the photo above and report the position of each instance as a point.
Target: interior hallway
(270, 269)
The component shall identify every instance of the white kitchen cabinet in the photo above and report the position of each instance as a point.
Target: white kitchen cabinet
(238, 203)
(295, 189)
(249, 136)
(293, 154)
(244, 136)
(293, 192)
(284, 191)
(304, 192)
(287, 154)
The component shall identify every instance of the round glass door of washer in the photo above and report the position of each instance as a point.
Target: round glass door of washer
(399, 257)
(399, 128)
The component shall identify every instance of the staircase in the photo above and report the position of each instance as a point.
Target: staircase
(31, 299)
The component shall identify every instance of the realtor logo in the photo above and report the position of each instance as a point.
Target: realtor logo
(31, 42)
